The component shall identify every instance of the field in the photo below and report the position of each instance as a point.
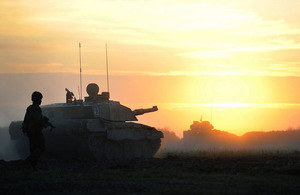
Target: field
(198, 172)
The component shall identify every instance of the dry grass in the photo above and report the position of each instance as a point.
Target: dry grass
(208, 172)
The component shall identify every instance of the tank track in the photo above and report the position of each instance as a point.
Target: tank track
(104, 149)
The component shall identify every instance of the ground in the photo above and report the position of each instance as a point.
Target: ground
(202, 172)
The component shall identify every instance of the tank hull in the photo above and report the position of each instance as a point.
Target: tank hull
(92, 139)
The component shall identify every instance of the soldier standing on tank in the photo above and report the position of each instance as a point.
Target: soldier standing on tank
(69, 96)
(32, 126)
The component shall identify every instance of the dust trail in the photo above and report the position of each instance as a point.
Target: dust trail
(216, 140)
(7, 146)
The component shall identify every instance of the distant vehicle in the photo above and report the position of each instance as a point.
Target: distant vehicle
(197, 130)
(97, 128)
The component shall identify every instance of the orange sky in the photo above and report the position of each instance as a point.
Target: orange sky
(239, 55)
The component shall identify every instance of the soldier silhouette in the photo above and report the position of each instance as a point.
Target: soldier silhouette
(69, 96)
(32, 126)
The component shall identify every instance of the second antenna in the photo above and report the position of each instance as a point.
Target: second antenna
(107, 80)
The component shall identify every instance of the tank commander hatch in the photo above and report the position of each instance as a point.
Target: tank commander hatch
(70, 98)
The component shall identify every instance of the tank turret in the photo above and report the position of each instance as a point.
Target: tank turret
(197, 129)
(97, 128)
(92, 89)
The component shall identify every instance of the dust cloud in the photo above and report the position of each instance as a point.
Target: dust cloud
(15, 97)
(201, 139)
(7, 146)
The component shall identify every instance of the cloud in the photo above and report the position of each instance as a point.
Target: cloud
(33, 68)
(236, 34)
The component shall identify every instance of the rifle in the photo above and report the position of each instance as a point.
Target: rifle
(48, 124)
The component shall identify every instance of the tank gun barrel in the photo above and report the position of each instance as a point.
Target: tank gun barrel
(143, 111)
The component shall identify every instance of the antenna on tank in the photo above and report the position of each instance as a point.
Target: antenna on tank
(80, 94)
(107, 80)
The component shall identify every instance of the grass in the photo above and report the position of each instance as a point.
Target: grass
(206, 172)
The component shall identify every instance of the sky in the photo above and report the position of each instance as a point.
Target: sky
(233, 62)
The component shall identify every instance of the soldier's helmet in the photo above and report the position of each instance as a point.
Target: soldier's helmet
(36, 96)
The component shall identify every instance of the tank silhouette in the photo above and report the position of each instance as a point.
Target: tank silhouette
(197, 130)
(97, 128)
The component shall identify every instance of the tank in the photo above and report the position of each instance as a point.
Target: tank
(96, 128)
(198, 130)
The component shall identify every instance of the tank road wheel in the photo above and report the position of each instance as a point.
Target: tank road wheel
(137, 147)
(96, 146)
(140, 148)
(103, 149)
(132, 149)
(113, 150)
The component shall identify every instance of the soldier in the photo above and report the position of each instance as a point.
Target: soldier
(32, 126)
(69, 96)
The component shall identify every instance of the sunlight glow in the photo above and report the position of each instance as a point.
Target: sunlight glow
(227, 105)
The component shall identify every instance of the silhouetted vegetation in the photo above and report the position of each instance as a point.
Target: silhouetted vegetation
(203, 136)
